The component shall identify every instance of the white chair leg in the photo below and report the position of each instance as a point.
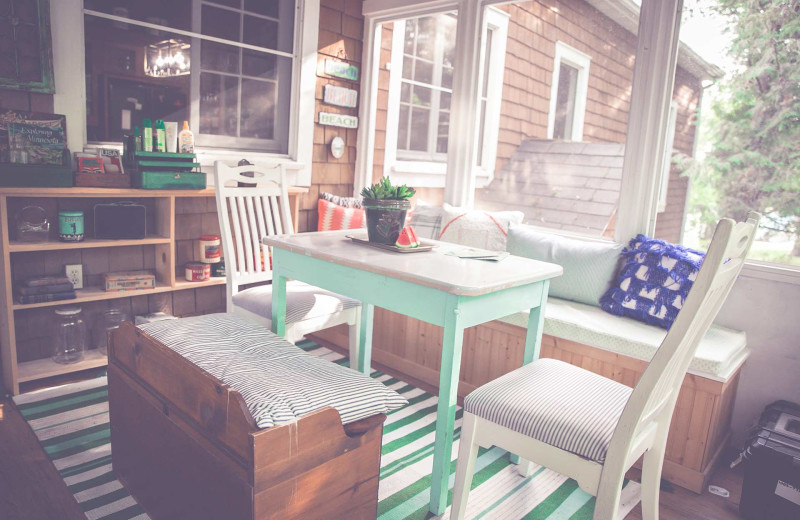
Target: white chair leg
(525, 467)
(651, 479)
(465, 467)
(606, 506)
(354, 329)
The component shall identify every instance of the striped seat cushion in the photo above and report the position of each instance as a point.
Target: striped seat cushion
(303, 301)
(556, 403)
(278, 381)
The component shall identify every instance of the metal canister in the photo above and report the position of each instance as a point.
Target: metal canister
(210, 249)
(70, 226)
(218, 269)
(198, 272)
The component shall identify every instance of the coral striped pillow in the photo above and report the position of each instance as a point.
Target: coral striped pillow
(333, 217)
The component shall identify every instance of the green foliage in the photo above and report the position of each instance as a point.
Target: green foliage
(755, 130)
(384, 190)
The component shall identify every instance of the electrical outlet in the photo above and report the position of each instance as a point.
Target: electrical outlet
(75, 275)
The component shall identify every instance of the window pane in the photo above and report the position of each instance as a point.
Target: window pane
(748, 127)
(565, 102)
(402, 128)
(265, 7)
(443, 128)
(421, 96)
(419, 129)
(230, 3)
(221, 23)
(124, 85)
(426, 38)
(176, 14)
(219, 57)
(567, 186)
(423, 72)
(258, 109)
(259, 64)
(219, 104)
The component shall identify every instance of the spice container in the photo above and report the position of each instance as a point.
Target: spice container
(69, 336)
(198, 272)
(70, 226)
(210, 250)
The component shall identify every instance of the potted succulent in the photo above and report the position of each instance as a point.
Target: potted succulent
(386, 206)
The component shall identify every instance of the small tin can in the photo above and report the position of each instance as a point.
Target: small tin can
(70, 226)
(210, 250)
(198, 272)
(218, 269)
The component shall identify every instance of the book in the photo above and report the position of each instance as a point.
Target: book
(45, 289)
(45, 280)
(49, 297)
(40, 144)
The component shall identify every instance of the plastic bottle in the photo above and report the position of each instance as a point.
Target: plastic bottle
(147, 139)
(186, 139)
(161, 136)
(137, 135)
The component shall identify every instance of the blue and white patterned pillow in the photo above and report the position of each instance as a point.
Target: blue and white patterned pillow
(653, 282)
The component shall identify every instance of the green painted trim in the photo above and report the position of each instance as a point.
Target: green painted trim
(47, 84)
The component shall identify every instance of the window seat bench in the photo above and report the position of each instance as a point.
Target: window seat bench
(216, 417)
(586, 336)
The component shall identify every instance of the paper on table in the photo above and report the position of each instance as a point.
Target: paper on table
(478, 254)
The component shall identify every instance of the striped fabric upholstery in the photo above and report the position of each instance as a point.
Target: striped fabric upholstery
(278, 381)
(556, 403)
(303, 301)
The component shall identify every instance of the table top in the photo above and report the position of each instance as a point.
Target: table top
(460, 276)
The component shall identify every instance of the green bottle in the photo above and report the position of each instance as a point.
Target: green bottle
(161, 136)
(147, 140)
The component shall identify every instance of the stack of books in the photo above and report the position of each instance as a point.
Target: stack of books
(46, 289)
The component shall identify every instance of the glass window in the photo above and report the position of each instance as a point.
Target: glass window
(224, 65)
(748, 130)
(568, 93)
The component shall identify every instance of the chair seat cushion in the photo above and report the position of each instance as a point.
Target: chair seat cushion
(303, 301)
(278, 381)
(556, 403)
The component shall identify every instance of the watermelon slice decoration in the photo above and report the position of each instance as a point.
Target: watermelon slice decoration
(408, 238)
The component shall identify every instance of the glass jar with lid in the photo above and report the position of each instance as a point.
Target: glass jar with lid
(106, 323)
(69, 338)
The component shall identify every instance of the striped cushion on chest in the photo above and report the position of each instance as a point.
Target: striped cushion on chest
(556, 403)
(278, 381)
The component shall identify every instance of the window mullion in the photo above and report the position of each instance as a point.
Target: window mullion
(433, 117)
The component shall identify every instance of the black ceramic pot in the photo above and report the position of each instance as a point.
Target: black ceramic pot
(385, 219)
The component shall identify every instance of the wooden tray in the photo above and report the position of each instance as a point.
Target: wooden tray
(421, 249)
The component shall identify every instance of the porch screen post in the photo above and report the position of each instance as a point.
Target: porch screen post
(653, 80)
(459, 189)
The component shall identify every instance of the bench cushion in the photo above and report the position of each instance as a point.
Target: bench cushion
(303, 301)
(554, 402)
(720, 353)
(278, 381)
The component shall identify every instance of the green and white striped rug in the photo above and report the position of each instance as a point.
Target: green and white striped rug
(71, 422)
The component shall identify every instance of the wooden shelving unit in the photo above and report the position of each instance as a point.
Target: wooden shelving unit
(162, 243)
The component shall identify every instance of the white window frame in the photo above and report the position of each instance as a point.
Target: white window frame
(666, 166)
(580, 61)
(70, 99)
(428, 169)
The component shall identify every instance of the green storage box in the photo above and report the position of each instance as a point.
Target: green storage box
(162, 180)
(35, 176)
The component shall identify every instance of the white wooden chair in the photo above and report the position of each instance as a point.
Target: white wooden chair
(247, 214)
(594, 429)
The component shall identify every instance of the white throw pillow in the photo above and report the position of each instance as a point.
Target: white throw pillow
(427, 220)
(476, 228)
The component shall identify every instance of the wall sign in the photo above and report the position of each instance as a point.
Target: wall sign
(341, 69)
(337, 147)
(341, 120)
(340, 96)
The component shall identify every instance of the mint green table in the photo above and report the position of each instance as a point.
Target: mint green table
(447, 291)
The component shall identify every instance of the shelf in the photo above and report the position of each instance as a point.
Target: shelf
(93, 294)
(57, 245)
(42, 368)
(79, 192)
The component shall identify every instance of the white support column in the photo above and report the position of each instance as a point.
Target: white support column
(68, 69)
(367, 114)
(459, 187)
(653, 81)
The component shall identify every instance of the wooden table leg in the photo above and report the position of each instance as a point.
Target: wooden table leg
(365, 338)
(533, 338)
(278, 303)
(446, 408)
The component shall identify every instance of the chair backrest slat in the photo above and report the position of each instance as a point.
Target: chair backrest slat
(249, 209)
(654, 397)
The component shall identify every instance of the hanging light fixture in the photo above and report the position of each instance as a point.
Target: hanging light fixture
(166, 59)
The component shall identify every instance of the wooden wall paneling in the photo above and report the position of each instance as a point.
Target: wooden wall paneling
(165, 227)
